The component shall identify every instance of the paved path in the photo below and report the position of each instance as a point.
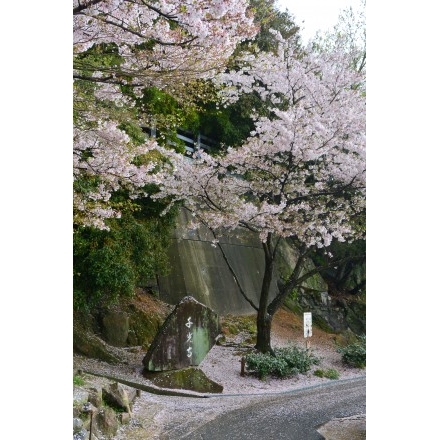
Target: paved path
(295, 415)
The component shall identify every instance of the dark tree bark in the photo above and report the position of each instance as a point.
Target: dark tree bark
(264, 328)
(264, 320)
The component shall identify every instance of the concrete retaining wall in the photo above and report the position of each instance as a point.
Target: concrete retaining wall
(199, 270)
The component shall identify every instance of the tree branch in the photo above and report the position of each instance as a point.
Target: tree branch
(288, 286)
(328, 266)
(106, 80)
(231, 269)
(162, 14)
(85, 5)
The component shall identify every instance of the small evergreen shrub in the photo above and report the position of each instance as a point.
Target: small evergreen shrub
(287, 361)
(331, 373)
(297, 358)
(355, 354)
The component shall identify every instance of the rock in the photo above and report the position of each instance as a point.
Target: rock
(95, 397)
(332, 314)
(85, 436)
(115, 328)
(184, 339)
(81, 435)
(118, 395)
(89, 408)
(88, 344)
(192, 379)
(125, 418)
(107, 421)
(77, 425)
(80, 396)
(143, 327)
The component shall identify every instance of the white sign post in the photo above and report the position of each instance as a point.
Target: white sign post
(307, 328)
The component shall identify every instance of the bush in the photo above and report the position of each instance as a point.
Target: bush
(297, 358)
(329, 374)
(109, 265)
(355, 354)
(287, 361)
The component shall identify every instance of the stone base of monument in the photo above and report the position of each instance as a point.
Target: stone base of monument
(191, 378)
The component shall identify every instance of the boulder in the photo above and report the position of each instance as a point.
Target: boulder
(77, 425)
(115, 328)
(119, 396)
(90, 345)
(95, 397)
(184, 339)
(107, 421)
(191, 378)
(80, 396)
(125, 418)
(81, 435)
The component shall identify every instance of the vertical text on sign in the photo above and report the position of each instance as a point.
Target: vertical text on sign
(188, 324)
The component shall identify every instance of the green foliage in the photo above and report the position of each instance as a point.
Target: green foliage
(331, 373)
(166, 111)
(110, 264)
(268, 17)
(287, 361)
(169, 112)
(355, 354)
(134, 131)
(98, 57)
(297, 357)
(233, 124)
(78, 380)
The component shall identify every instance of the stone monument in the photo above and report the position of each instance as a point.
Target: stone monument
(184, 339)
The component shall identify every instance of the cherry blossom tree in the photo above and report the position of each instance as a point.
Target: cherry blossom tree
(161, 42)
(349, 34)
(122, 47)
(300, 176)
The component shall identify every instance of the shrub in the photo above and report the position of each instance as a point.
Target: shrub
(355, 354)
(329, 374)
(297, 358)
(109, 265)
(287, 361)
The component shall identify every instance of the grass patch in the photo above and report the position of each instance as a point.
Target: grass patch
(331, 373)
(78, 380)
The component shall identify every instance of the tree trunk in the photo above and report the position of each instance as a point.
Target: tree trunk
(264, 325)
(264, 320)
